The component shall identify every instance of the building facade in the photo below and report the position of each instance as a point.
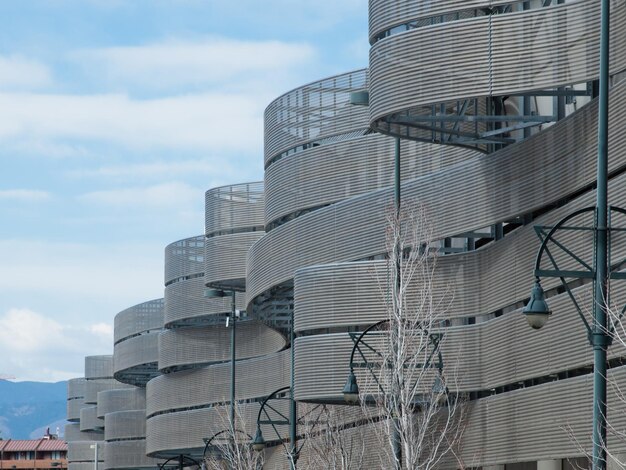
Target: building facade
(46, 453)
(496, 134)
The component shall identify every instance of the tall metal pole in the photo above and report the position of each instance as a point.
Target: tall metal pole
(396, 175)
(293, 411)
(95, 458)
(600, 338)
(395, 437)
(233, 357)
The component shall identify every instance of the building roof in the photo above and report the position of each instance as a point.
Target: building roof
(23, 445)
(19, 445)
(52, 444)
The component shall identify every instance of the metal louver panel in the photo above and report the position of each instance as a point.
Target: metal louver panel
(495, 353)
(127, 455)
(256, 377)
(187, 347)
(125, 425)
(226, 259)
(73, 434)
(125, 399)
(75, 398)
(93, 387)
(98, 367)
(474, 194)
(182, 432)
(141, 318)
(184, 258)
(314, 111)
(135, 359)
(509, 53)
(238, 206)
(89, 420)
(185, 304)
(325, 175)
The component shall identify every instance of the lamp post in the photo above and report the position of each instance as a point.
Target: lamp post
(218, 293)
(259, 443)
(208, 441)
(94, 446)
(537, 311)
(351, 389)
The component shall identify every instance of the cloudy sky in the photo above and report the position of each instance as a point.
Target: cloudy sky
(115, 117)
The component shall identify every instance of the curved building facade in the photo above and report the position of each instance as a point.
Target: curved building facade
(489, 137)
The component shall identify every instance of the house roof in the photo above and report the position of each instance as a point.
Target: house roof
(52, 444)
(23, 445)
(19, 445)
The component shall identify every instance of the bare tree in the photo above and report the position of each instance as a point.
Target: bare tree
(416, 420)
(330, 441)
(231, 447)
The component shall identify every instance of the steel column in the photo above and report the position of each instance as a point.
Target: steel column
(395, 433)
(233, 358)
(293, 411)
(600, 337)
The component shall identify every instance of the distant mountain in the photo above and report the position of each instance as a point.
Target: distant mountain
(26, 407)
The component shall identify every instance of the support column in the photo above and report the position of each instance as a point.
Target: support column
(556, 464)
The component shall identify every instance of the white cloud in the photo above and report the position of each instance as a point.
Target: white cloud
(58, 300)
(102, 329)
(24, 195)
(25, 331)
(210, 166)
(203, 121)
(20, 73)
(36, 347)
(211, 61)
(158, 196)
(101, 279)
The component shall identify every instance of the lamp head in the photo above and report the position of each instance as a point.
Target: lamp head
(537, 310)
(351, 390)
(258, 443)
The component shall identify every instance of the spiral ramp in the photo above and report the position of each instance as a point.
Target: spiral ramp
(429, 83)
(323, 253)
(85, 431)
(495, 135)
(188, 402)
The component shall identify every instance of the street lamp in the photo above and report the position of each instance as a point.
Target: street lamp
(351, 389)
(209, 440)
(537, 311)
(94, 446)
(259, 443)
(218, 293)
(599, 333)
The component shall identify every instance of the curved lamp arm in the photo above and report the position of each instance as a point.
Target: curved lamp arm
(361, 336)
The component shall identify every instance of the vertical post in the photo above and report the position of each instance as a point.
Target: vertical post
(397, 176)
(600, 338)
(95, 457)
(233, 357)
(293, 411)
(395, 437)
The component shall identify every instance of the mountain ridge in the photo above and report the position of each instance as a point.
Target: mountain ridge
(26, 407)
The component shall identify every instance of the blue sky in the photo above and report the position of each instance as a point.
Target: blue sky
(115, 117)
